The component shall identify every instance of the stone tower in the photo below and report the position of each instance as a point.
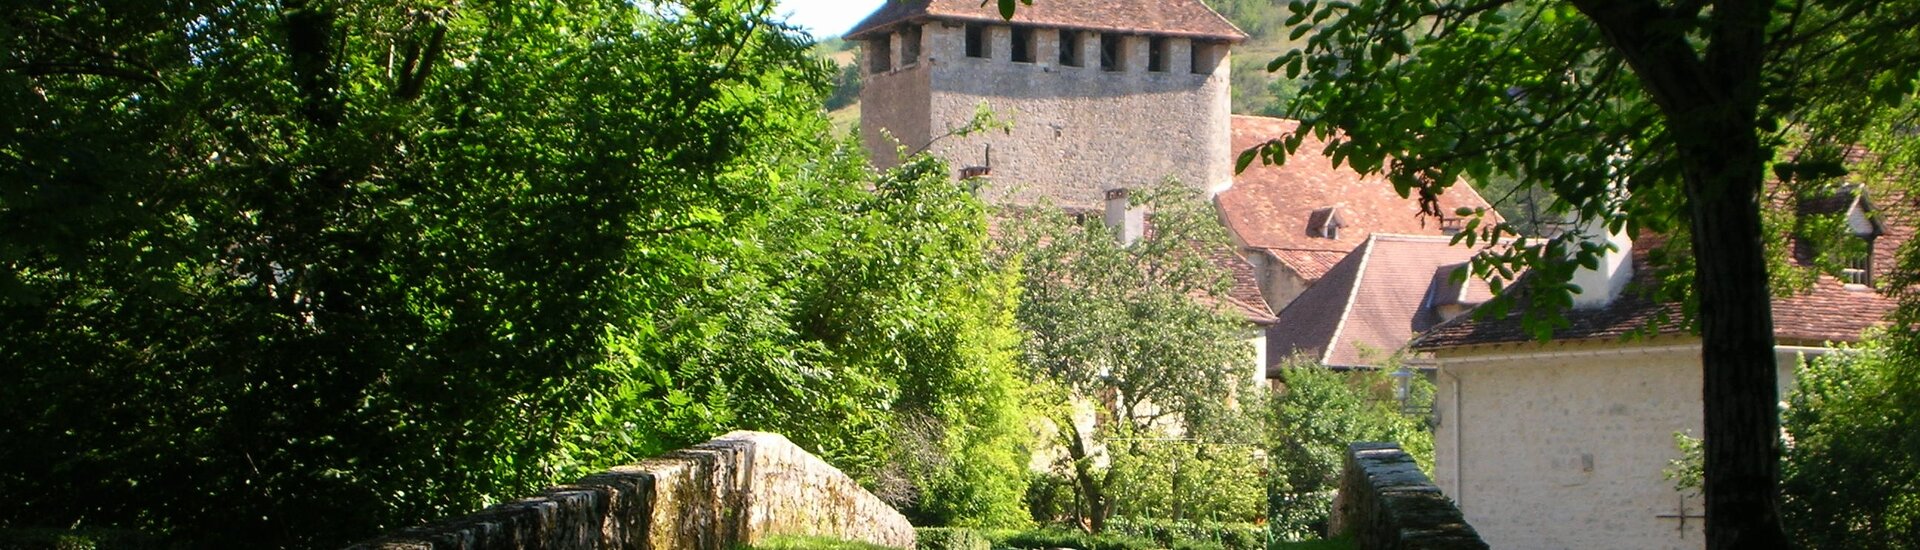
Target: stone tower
(1102, 94)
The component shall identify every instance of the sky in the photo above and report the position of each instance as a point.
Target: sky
(827, 18)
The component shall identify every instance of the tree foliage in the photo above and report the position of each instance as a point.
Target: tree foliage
(1130, 333)
(1852, 472)
(292, 273)
(1314, 418)
(1643, 114)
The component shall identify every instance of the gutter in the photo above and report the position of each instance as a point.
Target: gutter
(1434, 362)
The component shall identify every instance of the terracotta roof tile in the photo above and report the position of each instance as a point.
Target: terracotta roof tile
(1310, 264)
(1374, 301)
(1189, 18)
(1272, 208)
(1830, 311)
(1244, 298)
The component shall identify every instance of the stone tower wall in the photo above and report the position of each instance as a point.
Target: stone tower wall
(1076, 130)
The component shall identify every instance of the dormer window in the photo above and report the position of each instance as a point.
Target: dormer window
(1857, 268)
(977, 41)
(1325, 223)
(1856, 264)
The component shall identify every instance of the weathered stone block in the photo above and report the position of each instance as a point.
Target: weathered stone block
(738, 489)
(1387, 503)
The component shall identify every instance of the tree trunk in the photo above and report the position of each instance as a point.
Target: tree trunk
(1092, 487)
(1740, 387)
(1712, 111)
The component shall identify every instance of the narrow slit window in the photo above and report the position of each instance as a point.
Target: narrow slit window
(1157, 54)
(977, 41)
(1113, 53)
(1070, 49)
(1023, 45)
(880, 54)
(909, 45)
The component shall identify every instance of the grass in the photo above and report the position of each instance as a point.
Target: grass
(845, 119)
(788, 542)
(1342, 543)
(825, 543)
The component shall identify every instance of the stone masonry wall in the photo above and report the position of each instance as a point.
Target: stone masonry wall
(1077, 131)
(735, 490)
(1387, 504)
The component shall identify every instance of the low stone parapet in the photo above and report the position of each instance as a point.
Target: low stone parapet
(1386, 503)
(735, 490)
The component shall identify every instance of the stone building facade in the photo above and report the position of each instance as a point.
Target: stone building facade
(1100, 95)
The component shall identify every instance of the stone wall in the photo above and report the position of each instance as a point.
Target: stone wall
(1077, 131)
(1387, 504)
(735, 490)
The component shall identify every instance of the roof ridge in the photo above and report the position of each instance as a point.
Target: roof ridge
(1414, 238)
(1346, 310)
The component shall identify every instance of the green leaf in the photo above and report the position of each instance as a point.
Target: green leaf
(1246, 159)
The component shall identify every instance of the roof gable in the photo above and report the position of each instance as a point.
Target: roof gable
(1188, 18)
(1376, 300)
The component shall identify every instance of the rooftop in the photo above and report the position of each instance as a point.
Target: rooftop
(1283, 209)
(1375, 300)
(1186, 18)
(1830, 311)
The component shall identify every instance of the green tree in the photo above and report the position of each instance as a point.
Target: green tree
(1852, 472)
(1130, 330)
(1314, 418)
(292, 273)
(1681, 104)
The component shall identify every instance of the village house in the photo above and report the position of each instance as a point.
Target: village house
(1563, 444)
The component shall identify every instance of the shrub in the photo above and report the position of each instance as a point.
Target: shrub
(1197, 535)
(1056, 537)
(946, 538)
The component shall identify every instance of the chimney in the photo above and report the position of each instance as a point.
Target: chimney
(1599, 287)
(1127, 221)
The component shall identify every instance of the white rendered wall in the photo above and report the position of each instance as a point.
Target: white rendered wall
(1566, 448)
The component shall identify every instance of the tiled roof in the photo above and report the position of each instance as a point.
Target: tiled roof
(1244, 298)
(1376, 299)
(1830, 311)
(1272, 208)
(1310, 264)
(1188, 18)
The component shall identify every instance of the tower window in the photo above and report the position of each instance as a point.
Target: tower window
(1070, 55)
(1023, 45)
(909, 45)
(1157, 48)
(1113, 52)
(1205, 57)
(977, 41)
(880, 54)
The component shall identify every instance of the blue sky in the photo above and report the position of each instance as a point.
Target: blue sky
(827, 18)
